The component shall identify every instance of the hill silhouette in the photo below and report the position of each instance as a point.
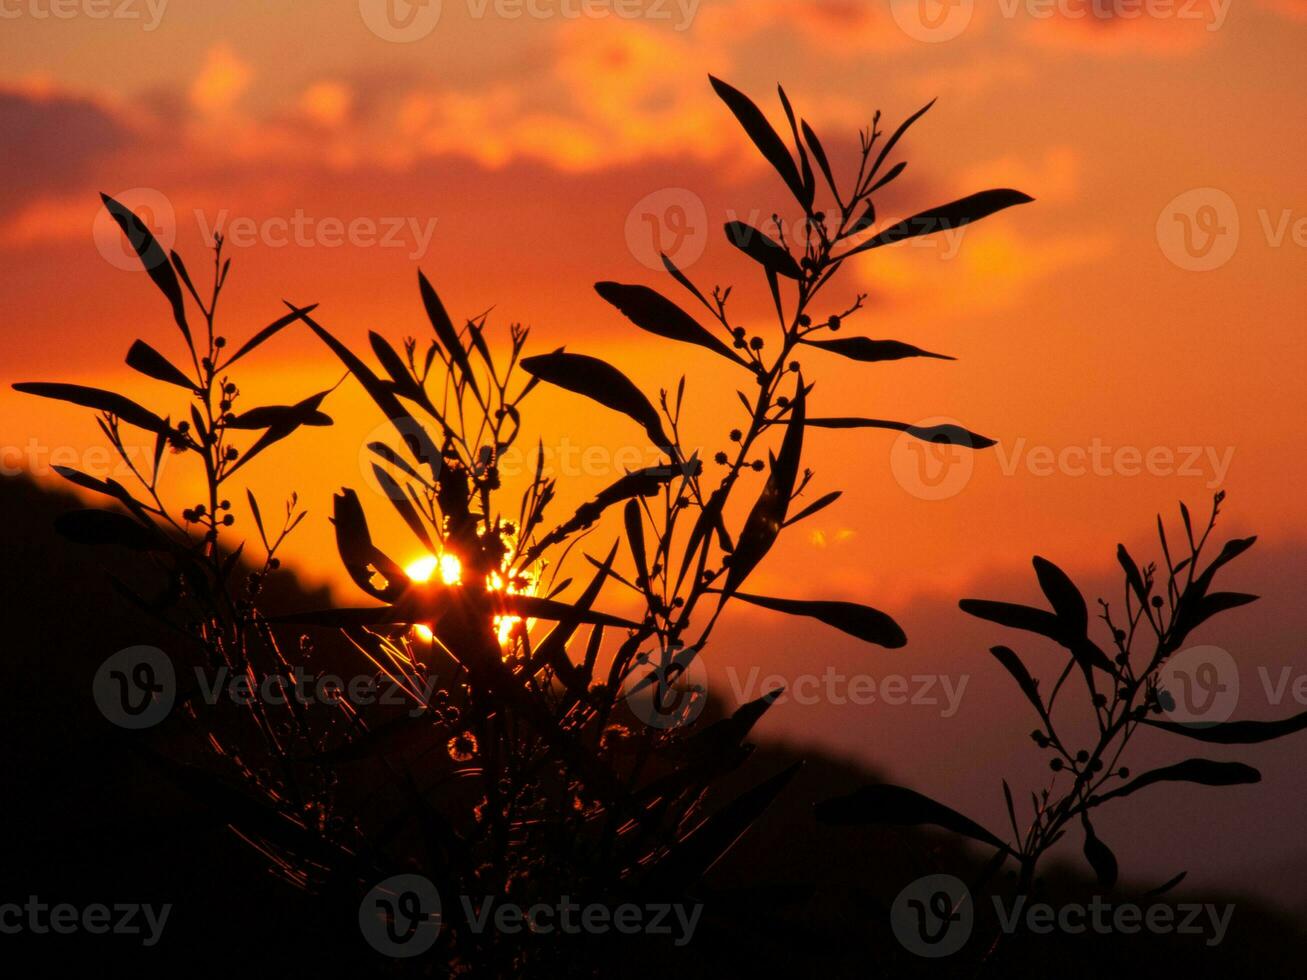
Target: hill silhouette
(91, 819)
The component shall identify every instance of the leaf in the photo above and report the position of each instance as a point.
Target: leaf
(404, 506)
(1205, 772)
(883, 803)
(764, 137)
(765, 520)
(271, 330)
(819, 154)
(552, 649)
(807, 192)
(1234, 732)
(820, 503)
(1011, 614)
(362, 559)
(1063, 596)
(104, 401)
(683, 279)
(898, 135)
(632, 519)
(600, 381)
(947, 217)
(864, 622)
(945, 434)
(445, 332)
(1099, 855)
(152, 257)
(1166, 886)
(279, 416)
(650, 310)
(767, 252)
(258, 518)
(151, 363)
(107, 527)
(409, 429)
(1194, 610)
(866, 349)
(1231, 550)
(1014, 666)
(405, 383)
(1132, 574)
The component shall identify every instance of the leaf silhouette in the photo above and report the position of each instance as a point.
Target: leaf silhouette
(864, 622)
(151, 363)
(1234, 732)
(767, 252)
(819, 154)
(1203, 771)
(1099, 855)
(945, 433)
(601, 382)
(884, 803)
(1013, 615)
(152, 257)
(270, 331)
(947, 217)
(866, 349)
(362, 559)
(278, 416)
(1013, 665)
(409, 429)
(893, 141)
(99, 399)
(650, 310)
(764, 137)
(1062, 595)
(765, 520)
(819, 504)
(445, 332)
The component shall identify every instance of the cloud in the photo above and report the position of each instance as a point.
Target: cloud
(1123, 27)
(53, 140)
(1052, 179)
(980, 270)
(221, 82)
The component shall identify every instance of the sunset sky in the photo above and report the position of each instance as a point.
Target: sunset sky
(1132, 338)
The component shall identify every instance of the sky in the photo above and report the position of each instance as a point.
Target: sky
(1131, 339)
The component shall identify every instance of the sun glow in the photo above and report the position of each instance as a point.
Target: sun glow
(450, 569)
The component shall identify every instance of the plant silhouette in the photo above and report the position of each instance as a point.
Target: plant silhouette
(1126, 688)
(517, 764)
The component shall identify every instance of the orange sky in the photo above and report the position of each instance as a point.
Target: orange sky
(522, 156)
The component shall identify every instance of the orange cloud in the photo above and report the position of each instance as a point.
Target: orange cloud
(221, 82)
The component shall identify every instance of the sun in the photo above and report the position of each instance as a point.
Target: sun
(425, 568)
